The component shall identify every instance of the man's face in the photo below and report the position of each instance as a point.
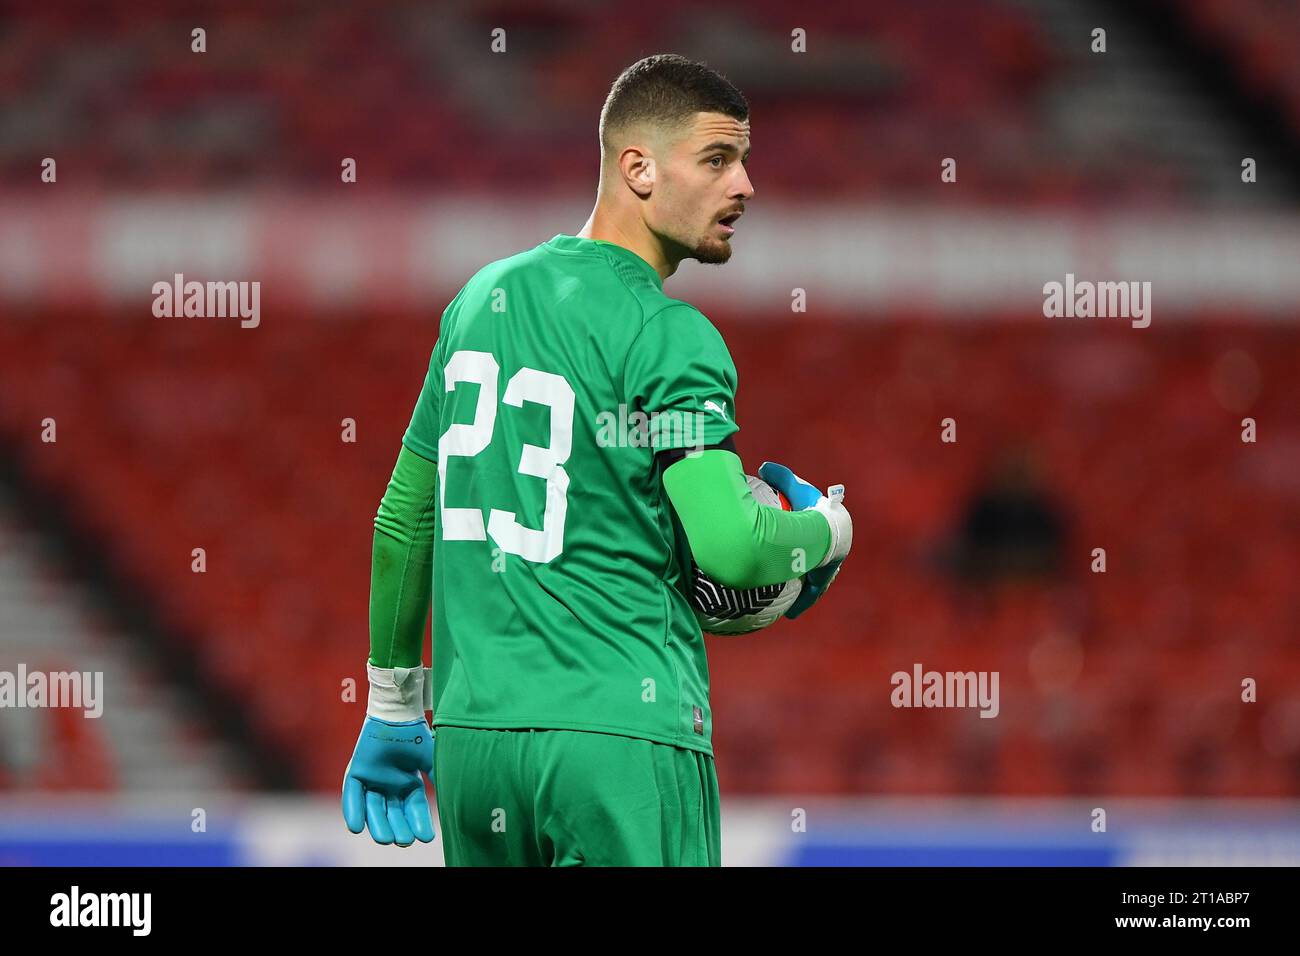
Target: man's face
(701, 188)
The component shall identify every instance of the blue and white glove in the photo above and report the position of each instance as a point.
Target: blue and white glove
(802, 496)
(382, 787)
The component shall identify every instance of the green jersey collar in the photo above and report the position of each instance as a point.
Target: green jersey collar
(563, 243)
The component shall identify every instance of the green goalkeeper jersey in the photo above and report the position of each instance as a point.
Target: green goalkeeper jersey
(559, 592)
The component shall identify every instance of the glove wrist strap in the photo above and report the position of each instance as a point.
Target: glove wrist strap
(399, 694)
(832, 509)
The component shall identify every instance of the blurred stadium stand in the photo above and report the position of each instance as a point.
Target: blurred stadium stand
(1259, 38)
(285, 88)
(1201, 542)
(147, 740)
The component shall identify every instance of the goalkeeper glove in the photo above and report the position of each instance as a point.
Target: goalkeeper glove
(801, 496)
(382, 786)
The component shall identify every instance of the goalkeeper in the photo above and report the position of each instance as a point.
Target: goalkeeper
(569, 686)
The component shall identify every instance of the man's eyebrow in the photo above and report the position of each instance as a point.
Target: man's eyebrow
(721, 146)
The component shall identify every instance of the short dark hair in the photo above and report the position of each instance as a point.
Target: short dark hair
(667, 89)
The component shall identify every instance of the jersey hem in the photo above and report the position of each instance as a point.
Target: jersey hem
(524, 723)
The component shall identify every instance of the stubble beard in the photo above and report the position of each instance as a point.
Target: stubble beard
(712, 251)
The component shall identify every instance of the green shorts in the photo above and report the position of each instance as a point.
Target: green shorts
(573, 798)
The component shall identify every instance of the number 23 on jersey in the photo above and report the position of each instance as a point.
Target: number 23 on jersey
(542, 544)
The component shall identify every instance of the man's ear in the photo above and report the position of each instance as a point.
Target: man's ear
(638, 170)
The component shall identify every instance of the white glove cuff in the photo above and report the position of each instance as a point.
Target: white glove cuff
(837, 516)
(399, 694)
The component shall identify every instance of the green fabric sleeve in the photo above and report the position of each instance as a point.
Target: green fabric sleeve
(401, 564)
(679, 371)
(735, 540)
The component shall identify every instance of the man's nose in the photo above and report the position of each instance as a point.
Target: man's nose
(742, 188)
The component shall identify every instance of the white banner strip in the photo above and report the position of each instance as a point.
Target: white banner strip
(347, 250)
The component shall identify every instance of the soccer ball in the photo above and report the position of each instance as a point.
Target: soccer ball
(724, 610)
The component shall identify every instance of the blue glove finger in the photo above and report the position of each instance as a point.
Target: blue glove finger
(417, 814)
(354, 802)
(402, 834)
(377, 818)
(815, 583)
(798, 492)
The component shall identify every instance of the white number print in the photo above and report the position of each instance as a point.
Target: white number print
(466, 441)
(543, 544)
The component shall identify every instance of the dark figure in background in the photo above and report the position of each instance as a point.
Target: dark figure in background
(1011, 528)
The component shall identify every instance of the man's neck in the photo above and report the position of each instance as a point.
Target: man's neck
(633, 237)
